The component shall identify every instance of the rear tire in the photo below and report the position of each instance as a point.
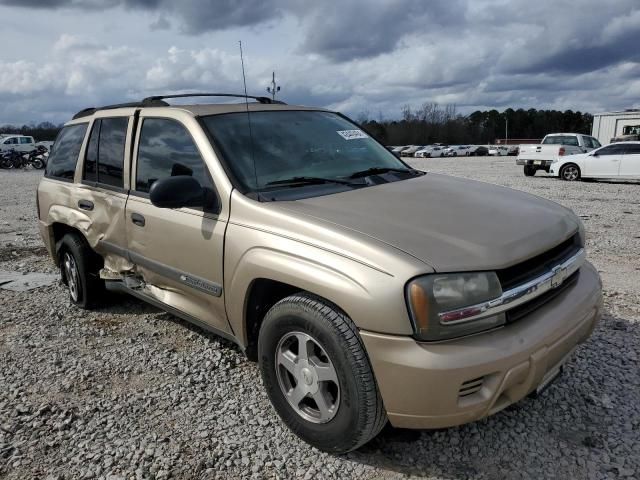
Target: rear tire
(570, 172)
(529, 171)
(295, 377)
(80, 267)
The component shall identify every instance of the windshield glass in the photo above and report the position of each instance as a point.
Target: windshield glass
(288, 144)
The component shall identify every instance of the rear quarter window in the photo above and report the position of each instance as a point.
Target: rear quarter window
(64, 157)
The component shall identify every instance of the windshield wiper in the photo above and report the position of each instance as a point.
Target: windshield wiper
(295, 181)
(378, 170)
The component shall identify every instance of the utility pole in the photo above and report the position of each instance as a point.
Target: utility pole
(274, 87)
(506, 129)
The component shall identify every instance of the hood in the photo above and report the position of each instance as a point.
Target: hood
(450, 223)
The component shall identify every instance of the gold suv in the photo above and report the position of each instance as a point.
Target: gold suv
(368, 291)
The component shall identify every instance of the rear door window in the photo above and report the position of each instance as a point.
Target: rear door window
(104, 160)
(113, 133)
(167, 149)
(64, 157)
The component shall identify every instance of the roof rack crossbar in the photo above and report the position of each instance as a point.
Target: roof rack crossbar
(233, 95)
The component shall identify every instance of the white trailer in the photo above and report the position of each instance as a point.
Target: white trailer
(612, 124)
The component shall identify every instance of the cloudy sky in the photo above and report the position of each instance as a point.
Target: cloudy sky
(374, 56)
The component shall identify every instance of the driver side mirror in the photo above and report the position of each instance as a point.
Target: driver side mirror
(181, 191)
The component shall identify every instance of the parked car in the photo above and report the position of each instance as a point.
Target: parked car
(478, 151)
(19, 143)
(399, 149)
(498, 151)
(367, 291)
(513, 150)
(554, 145)
(617, 160)
(457, 151)
(408, 152)
(423, 151)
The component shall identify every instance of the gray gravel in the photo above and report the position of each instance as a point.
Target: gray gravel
(132, 392)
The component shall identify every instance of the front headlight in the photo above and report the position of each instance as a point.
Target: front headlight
(444, 306)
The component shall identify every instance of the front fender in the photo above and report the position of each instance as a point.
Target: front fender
(372, 298)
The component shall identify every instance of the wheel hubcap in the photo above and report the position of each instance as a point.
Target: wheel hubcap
(71, 273)
(307, 377)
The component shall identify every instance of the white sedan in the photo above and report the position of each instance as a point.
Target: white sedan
(617, 160)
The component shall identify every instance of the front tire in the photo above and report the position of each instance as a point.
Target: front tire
(570, 172)
(529, 171)
(317, 374)
(80, 267)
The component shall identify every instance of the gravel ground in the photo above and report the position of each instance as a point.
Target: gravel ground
(131, 392)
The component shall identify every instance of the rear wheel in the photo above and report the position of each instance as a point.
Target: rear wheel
(570, 172)
(317, 374)
(79, 267)
(529, 171)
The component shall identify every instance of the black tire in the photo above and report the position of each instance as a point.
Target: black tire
(359, 414)
(38, 163)
(529, 171)
(570, 172)
(87, 288)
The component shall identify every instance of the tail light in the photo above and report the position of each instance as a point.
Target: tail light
(561, 151)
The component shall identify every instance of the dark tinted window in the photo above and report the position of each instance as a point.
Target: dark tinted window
(166, 149)
(64, 156)
(113, 132)
(588, 143)
(612, 150)
(25, 140)
(91, 158)
(596, 143)
(632, 149)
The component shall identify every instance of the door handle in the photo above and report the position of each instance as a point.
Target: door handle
(137, 219)
(85, 204)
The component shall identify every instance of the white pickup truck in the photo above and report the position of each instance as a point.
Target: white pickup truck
(554, 145)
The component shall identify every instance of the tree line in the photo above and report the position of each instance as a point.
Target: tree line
(430, 123)
(41, 131)
(433, 123)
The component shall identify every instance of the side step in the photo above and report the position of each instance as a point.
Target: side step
(118, 286)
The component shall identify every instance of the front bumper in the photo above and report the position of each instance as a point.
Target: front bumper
(426, 385)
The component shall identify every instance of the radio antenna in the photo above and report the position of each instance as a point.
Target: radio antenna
(246, 102)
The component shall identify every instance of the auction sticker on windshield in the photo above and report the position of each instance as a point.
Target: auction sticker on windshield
(352, 134)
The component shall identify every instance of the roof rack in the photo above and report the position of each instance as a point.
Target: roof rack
(158, 101)
(233, 95)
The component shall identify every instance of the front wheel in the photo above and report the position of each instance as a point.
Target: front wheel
(570, 172)
(317, 374)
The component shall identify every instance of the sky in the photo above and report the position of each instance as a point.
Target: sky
(360, 57)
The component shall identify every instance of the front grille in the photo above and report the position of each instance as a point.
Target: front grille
(538, 265)
(525, 309)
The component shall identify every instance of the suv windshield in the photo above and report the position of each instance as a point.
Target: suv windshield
(297, 144)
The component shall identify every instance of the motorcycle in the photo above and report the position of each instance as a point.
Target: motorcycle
(10, 159)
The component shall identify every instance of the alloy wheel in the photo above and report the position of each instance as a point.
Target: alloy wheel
(307, 377)
(72, 275)
(570, 173)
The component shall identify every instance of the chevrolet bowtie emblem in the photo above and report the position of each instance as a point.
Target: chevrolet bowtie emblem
(559, 274)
